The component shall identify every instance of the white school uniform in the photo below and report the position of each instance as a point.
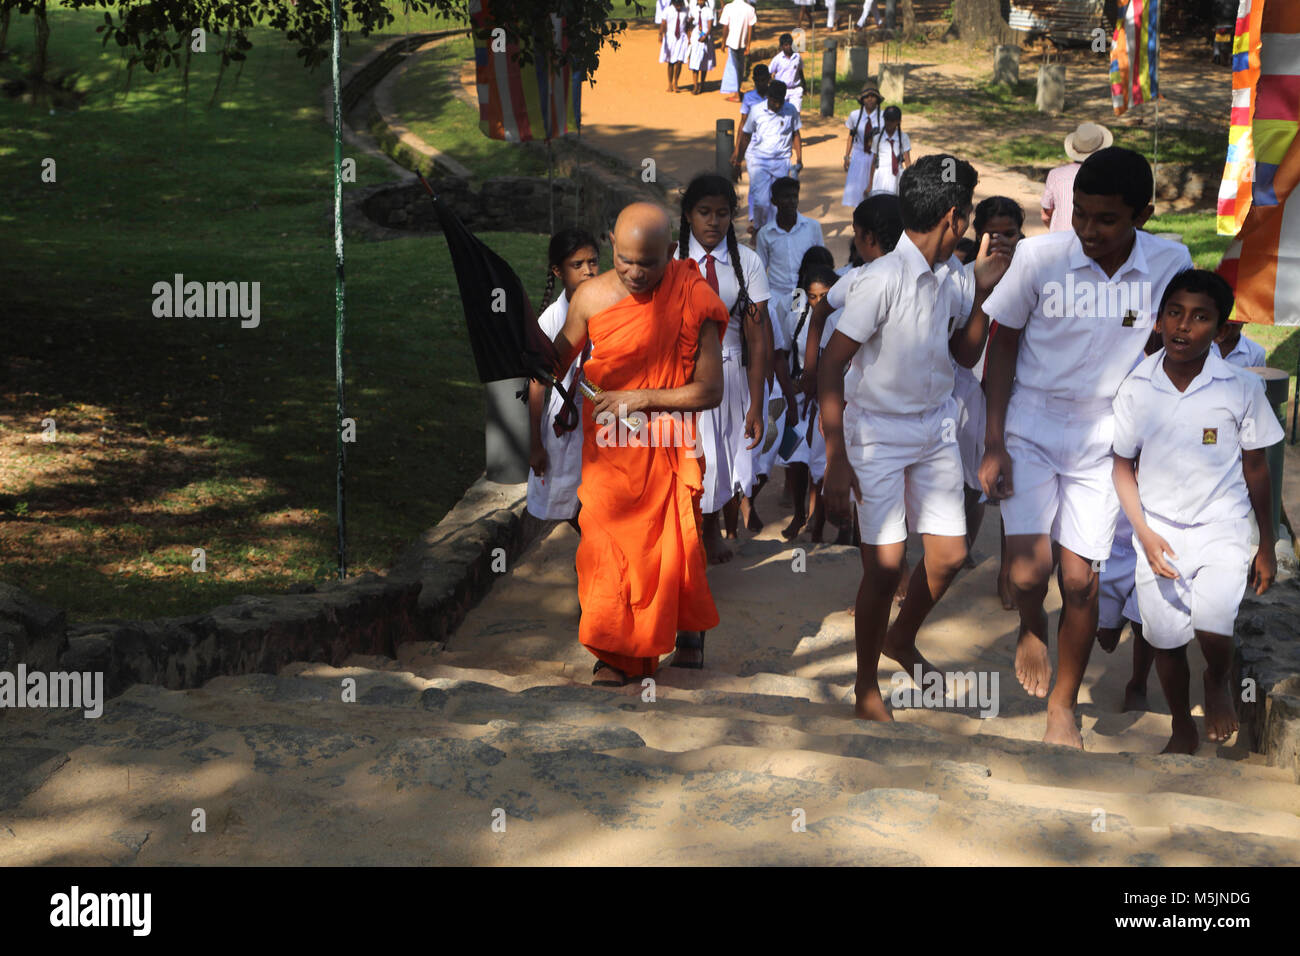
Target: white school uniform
(865, 124)
(768, 155)
(782, 251)
(554, 496)
(1071, 361)
(661, 13)
(728, 464)
(1245, 354)
(738, 17)
(885, 147)
(786, 69)
(702, 55)
(808, 451)
(1192, 489)
(677, 38)
(900, 418)
(967, 390)
(763, 461)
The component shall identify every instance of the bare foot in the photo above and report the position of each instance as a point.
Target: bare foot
(754, 523)
(1033, 666)
(690, 657)
(900, 593)
(1220, 714)
(870, 705)
(853, 610)
(907, 656)
(715, 550)
(1061, 728)
(1184, 739)
(791, 531)
(1135, 696)
(1108, 637)
(843, 536)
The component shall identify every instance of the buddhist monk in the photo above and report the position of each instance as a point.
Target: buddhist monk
(655, 328)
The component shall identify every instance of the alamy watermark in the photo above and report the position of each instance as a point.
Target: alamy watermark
(1093, 299)
(80, 690)
(656, 430)
(934, 689)
(212, 300)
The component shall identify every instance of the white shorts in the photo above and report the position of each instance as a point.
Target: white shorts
(1116, 594)
(909, 471)
(970, 424)
(762, 173)
(1213, 564)
(1061, 471)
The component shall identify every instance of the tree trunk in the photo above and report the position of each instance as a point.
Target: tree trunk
(909, 17)
(41, 60)
(981, 20)
(4, 27)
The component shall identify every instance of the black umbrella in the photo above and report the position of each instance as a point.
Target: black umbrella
(503, 329)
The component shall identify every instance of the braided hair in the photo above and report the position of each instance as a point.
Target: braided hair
(818, 270)
(703, 186)
(563, 244)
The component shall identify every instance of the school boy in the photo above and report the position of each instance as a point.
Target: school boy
(1201, 426)
(1074, 313)
(1235, 349)
(738, 19)
(892, 445)
(768, 141)
(787, 66)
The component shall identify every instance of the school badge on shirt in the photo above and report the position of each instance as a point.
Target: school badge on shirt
(1130, 317)
(1209, 436)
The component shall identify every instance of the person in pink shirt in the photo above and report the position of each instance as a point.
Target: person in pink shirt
(1058, 194)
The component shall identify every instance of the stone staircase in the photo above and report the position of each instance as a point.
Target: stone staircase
(495, 749)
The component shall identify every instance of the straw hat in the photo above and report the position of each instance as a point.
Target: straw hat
(868, 88)
(1086, 140)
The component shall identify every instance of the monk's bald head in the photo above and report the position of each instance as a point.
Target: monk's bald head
(641, 236)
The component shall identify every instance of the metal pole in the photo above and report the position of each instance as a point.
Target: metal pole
(340, 454)
(828, 77)
(889, 14)
(723, 145)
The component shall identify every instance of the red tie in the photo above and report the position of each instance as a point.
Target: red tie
(710, 274)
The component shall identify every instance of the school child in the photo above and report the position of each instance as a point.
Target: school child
(702, 57)
(805, 10)
(891, 153)
(1004, 218)
(1236, 349)
(661, 21)
(787, 66)
(886, 423)
(806, 461)
(1074, 312)
(737, 21)
(863, 125)
(677, 36)
(727, 434)
(555, 461)
(769, 140)
(1201, 426)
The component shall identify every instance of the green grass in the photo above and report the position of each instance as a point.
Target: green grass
(183, 433)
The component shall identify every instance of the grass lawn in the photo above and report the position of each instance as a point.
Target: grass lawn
(175, 434)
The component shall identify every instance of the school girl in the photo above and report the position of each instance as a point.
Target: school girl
(863, 125)
(891, 153)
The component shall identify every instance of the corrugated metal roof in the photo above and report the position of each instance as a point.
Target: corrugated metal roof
(1059, 20)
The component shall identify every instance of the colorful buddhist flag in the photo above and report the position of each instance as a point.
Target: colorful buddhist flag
(1135, 52)
(519, 102)
(1262, 263)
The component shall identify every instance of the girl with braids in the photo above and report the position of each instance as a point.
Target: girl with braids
(728, 432)
(863, 125)
(816, 276)
(556, 460)
(891, 153)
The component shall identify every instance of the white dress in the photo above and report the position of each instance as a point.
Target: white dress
(811, 453)
(886, 148)
(554, 496)
(702, 55)
(867, 124)
(661, 12)
(677, 38)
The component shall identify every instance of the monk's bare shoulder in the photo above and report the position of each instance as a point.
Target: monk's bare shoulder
(597, 294)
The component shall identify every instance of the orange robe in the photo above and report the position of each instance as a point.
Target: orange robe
(641, 563)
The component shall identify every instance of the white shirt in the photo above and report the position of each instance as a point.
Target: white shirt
(1245, 354)
(771, 134)
(728, 289)
(748, 100)
(903, 312)
(1082, 330)
(858, 120)
(782, 251)
(786, 69)
(661, 9)
(739, 19)
(838, 294)
(1058, 197)
(1191, 442)
(550, 322)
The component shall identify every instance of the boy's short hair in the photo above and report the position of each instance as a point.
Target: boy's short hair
(880, 216)
(785, 38)
(776, 89)
(933, 185)
(1202, 282)
(760, 71)
(965, 250)
(1117, 171)
(892, 113)
(784, 184)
